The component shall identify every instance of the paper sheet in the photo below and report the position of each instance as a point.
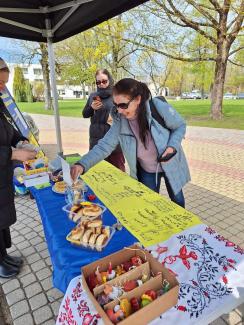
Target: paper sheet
(66, 172)
(150, 217)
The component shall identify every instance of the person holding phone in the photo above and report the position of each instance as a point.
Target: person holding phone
(98, 108)
(153, 151)
(9, 137)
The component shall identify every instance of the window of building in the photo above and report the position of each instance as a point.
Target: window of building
(37, 72)
(25, 70)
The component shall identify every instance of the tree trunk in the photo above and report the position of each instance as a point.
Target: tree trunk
(83, 90)
(46, 78)
(219, 79)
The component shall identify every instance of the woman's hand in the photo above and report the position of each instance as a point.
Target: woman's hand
(96, 104)
(167, 155)
(23, 154)
(109, 120)
(76, 171)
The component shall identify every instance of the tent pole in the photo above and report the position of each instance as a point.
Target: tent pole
(51, 60)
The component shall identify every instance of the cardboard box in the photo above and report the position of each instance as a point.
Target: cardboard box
(37, 179)
(149, 312)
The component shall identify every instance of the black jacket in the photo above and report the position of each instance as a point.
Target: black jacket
(9, 137)
(99, 126)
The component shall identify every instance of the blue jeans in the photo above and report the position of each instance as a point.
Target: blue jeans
(149, 179)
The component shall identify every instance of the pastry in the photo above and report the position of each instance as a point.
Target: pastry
(125, 307)
(87, 236)
(60, 187)
(101, 240)
(76, 218)
(77, 233)
(135, 304)
(99, 230)
(73, 210)
(106, 231)
(94, 224)
(151, 293)
(130, 285)
(93, 238)
(92, 210)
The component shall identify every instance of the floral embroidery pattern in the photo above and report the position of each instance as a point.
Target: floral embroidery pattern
(195, 296)
(228, 243)
(77, 291)
(67, 317)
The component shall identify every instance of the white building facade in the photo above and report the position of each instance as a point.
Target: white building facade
(33, 73)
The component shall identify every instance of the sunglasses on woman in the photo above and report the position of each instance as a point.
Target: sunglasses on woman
(123, 105)
(99, 82)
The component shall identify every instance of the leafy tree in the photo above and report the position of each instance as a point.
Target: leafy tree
(38, 90)
(219, 22)
(79, 57)
(28, 91)
(33, 50)
(19, 88)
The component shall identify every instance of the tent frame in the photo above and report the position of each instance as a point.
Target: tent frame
(48, 33)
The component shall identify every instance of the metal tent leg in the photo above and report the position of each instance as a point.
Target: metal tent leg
(51, 60)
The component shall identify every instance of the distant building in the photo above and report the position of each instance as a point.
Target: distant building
(33, 72)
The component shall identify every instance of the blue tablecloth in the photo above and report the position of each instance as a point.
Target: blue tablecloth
(67, 259)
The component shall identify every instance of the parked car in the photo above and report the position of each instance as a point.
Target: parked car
(32, 125)
(229, 96)
(240, 96)
(194, 95)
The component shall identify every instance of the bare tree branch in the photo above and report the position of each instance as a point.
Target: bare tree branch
(188, 22)
(235, 63)
(216, 5)
(237, 25)
(204, 13)
(236, 50)
(175, 57)
(124, 68)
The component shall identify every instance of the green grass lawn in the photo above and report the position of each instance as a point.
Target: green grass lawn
(66, 108)
(196, 112)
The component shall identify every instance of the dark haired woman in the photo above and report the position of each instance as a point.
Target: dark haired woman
(152, 150)
(98, 108)
(9, 137)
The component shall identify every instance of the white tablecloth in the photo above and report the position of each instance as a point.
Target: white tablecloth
(209, 268)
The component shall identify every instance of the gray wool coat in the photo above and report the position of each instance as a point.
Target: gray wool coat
(176, 169)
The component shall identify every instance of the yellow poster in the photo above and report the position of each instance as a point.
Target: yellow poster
(150, 217)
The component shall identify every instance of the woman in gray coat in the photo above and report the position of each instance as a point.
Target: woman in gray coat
(153, 151)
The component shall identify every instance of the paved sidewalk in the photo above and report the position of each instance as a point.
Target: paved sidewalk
(216, 194)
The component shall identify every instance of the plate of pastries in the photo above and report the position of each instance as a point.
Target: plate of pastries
(91, 234)
(84, 210)
(59, 187)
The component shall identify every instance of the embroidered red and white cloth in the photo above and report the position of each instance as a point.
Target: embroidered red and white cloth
(209, 268)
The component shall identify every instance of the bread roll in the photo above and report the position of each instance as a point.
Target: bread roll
(92, 210)
(94, 224)
(101, 240)
(87, 236)
(77, 233)
(99, 230)
(93, 238)
(106, 231)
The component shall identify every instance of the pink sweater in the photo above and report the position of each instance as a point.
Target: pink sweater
(147, 157)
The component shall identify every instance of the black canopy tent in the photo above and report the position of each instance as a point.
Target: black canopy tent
(55, 20)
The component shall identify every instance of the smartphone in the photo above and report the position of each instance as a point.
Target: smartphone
(167, 157)
(97, 98)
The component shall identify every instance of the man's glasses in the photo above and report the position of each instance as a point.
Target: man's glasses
(123, 105)
(99, 82)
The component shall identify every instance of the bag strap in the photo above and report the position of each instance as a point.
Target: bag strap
(155, 113)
